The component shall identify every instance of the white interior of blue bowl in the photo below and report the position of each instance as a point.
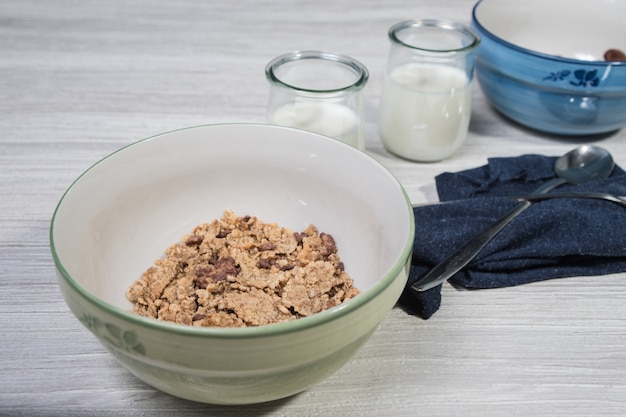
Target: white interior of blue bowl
(122, 214)
(577, 30)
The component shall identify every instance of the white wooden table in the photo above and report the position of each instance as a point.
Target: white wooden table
(79, 79)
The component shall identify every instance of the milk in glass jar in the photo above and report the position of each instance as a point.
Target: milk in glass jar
(426, 100)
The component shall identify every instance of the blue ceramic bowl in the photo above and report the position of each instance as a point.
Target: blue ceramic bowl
(541, 63)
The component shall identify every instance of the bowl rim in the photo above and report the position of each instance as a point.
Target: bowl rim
(360, 70)
(292, 326)
(439, 24)
(485, 32)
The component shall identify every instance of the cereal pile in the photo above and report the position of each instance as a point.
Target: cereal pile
(239, 271)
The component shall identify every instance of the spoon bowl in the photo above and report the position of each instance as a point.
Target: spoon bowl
(584, 163)
(580, 165)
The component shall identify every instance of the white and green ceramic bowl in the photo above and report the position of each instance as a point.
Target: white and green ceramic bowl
(123, 212)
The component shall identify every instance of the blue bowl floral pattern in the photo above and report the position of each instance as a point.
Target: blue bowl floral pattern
(548, 93)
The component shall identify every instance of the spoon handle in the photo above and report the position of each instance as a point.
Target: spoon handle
(462, 256)
(618, 199)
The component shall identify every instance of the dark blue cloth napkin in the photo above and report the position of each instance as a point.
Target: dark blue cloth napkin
(551, 239)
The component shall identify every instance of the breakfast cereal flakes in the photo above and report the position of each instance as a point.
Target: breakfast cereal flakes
(240, 271)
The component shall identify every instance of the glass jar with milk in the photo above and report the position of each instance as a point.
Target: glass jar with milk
(427, 90)
(320, 92)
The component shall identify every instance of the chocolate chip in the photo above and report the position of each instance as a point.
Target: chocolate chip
(227, 265)
(244, 223)
(264, 263)
(202, 282)
(267, 246)
(299, 237)
(194, 240)
(203, 272)
(212, 259)
(328, 244)
(287, 267)
(219, 276)
(614, 55)
(223, 233)
(220, 271)
(198, 317)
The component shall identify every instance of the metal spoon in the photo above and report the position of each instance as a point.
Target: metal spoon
(617, 199)
(580, 165)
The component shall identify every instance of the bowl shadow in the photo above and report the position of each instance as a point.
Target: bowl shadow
(479, 127)
(251, 410)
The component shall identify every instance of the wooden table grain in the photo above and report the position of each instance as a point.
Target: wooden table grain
(79, 79)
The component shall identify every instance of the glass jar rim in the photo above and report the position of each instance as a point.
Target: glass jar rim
(435, 23)
(361, 72)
